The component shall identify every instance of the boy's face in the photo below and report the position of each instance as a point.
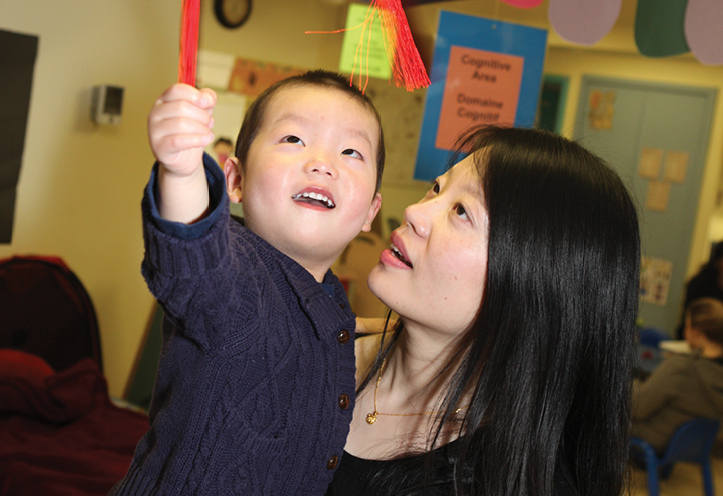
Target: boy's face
(308, 185)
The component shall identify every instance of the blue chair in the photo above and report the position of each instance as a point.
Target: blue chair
(691, 442)
(650, 336)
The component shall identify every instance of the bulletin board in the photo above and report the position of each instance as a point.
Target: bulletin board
(484, 71)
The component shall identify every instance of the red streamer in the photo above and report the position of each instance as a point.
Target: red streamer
(190, 15)
(407, 66)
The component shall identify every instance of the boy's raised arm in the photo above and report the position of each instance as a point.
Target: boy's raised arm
(179, 127)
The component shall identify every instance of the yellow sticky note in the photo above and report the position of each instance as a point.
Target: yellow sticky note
(676, 165)
(366, 35)
(649, 163)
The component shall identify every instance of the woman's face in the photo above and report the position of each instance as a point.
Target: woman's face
(434, 274)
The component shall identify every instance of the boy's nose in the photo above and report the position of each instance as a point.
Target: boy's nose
(321, 165)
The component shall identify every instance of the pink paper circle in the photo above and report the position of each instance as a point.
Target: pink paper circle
(704, 30)
(583, 21)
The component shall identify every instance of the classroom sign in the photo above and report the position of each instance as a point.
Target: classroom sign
(482, 87)
(484, 72)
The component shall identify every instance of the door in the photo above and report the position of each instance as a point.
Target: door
(656, 137)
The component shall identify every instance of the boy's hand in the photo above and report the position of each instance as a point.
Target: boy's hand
(179, 127)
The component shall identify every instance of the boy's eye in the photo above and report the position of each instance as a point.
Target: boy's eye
(352, 153)
(460, 211)
(292, 139)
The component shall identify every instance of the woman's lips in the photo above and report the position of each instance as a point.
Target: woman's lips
(388, 258)
(397, 255)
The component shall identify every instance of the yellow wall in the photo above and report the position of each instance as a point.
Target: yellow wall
(80, 185)
(275, 33)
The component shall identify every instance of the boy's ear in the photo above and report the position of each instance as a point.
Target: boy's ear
(232, 171)
(373, 210)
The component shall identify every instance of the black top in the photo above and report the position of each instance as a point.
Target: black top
(354, 474)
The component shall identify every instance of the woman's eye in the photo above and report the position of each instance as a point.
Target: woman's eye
(292, 139)
(460, 211)
(352, 153)
(435, 187)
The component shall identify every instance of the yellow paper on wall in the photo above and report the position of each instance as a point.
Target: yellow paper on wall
(363, 51)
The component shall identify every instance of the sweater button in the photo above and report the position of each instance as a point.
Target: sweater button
(332, 463)
(343, 336)
(343, 401)
(342, 306)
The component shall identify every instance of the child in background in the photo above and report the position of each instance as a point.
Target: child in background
(222, 147)
(684, 386)
(255, 386)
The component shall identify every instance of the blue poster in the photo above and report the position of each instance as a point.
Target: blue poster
(484, 72)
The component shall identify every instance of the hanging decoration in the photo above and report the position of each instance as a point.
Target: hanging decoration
(407, 67)
(662, 28)
(659, 28)
(583, 21)
(704, 30)
(375, 61)
(190, 17)
(414, 3)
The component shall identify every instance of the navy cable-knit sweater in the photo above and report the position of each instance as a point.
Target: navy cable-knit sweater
(255, 385)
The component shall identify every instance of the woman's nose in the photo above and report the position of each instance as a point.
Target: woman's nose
(418, 217)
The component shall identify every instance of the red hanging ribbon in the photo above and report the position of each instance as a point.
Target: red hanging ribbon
(407, 66)
(190, 16)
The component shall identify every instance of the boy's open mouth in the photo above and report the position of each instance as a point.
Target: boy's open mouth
(314, 199)
(398, 254)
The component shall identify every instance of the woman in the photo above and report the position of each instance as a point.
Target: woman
(516, 281)
(684, 386)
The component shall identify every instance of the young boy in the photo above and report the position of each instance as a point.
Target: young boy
(684, 386)
(255, 385)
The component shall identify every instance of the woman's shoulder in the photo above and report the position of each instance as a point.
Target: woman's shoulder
(366, 349)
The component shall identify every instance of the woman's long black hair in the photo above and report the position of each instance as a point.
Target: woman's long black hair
(549, 358)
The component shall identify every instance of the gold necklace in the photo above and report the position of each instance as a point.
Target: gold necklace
(372, 417)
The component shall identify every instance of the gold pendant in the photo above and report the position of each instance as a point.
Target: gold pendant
(371, 417)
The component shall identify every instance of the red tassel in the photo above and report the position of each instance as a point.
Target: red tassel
(190, 16)
(407, 66)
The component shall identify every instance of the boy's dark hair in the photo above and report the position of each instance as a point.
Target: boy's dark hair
(706, 315)
(326, 79)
